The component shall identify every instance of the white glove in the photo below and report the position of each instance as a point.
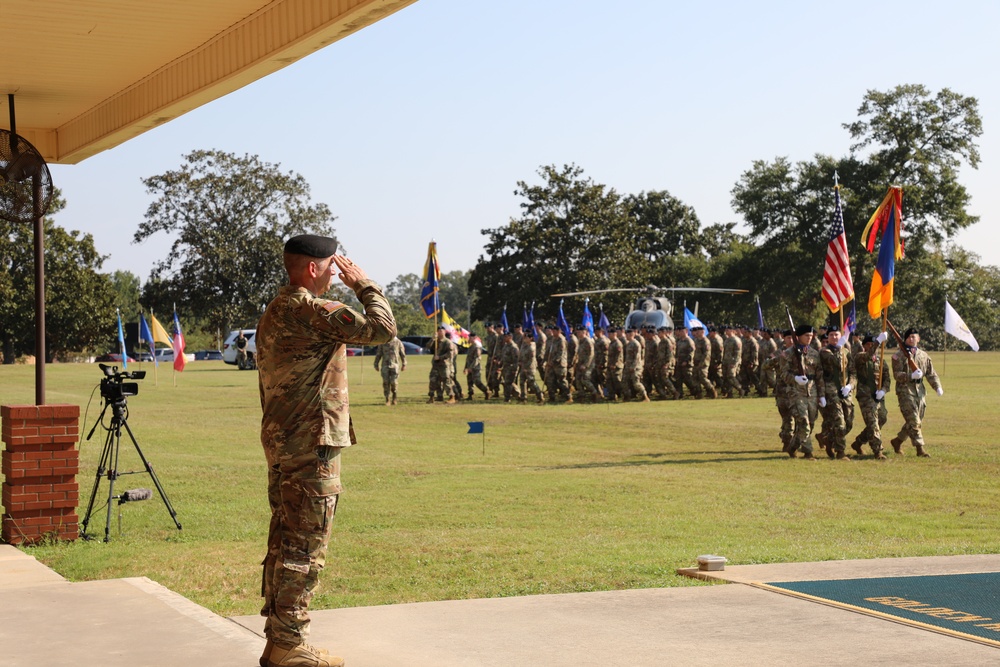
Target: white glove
(940, 391)
(880, 394)
(845, 391)
(881, 338)
(917, 374)
(802, 379)
(822, 401)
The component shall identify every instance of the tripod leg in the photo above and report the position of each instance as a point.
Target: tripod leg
(102, 466)
(156, 481)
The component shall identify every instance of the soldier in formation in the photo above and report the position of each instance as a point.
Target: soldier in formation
(441, 381)
(910, 367)
(473, 369)
(392, 357)
(837, 402)
(874, 381)
(527, 365)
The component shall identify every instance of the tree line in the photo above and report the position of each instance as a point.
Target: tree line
(228, 216)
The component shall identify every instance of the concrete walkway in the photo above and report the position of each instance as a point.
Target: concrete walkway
(45, 620)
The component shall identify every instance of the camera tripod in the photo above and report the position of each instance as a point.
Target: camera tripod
(108, 465)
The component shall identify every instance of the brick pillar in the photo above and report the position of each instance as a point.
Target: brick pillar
(40, 463)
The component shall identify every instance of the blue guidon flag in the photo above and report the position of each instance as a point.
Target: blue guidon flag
(477, 427)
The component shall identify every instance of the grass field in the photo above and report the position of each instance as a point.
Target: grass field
(564, 499)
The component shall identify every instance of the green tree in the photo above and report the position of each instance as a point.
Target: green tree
(79, 309)
(575, 235)
(904, 136)
(229, 216)
(126, 292)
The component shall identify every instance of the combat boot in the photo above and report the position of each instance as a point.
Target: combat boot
(394, 401)
(897, 445)
(387, 401)
(302, 655)
(450, 401)
(921, 452)
(857, 448)
(430, 400)
(541, 399)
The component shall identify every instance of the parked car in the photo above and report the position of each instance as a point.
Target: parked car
(207, 355)
(229, 346)
(143, 356)
(166, 355)
(113, 357)
(355, 351)
(413, 348)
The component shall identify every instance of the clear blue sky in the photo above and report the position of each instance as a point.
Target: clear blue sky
(421, 125)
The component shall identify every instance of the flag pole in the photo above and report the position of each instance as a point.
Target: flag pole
(173, 373)
(152, 317)
(881, 354)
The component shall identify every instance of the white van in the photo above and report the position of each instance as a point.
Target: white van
(166, 355)
(229, 347)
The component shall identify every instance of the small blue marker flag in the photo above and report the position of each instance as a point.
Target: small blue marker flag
(760, 316)
(503, 318)
(477, 427)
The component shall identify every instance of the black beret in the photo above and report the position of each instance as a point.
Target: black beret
(804, 329)
(664, 328)
(698, 328)
(909, 332)
(518, 326)
(787, 332)
(831, 328)
(868, 339)
(442, 327)
(311, 245)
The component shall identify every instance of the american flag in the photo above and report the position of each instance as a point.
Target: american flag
(838, 288)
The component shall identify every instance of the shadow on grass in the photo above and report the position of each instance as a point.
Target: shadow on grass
(660, 459)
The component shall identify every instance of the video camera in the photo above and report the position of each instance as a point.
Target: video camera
(112, 387)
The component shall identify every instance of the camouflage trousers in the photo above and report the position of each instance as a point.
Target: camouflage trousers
(838, 420)
(585, 389)
(390, 382)
(750, 379)
(787, 431)
(730, 382)
(715, 373)
(474, 379)
(510, 385)
(614, 384)
(303, 485)
(875, 416)
(556, 384)
(664, 382)
(529, 385)
(683, 378)
(440, 382)
(803, 410)
(632, 385)
(600, 381)
(702, 385)
(912, 405)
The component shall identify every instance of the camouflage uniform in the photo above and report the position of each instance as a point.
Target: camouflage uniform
(632, 374)
(527, 365)
(392, 356)
(749, 362)
(583, 369)
(912, 396)
(555, 368)
(441, 378)
(666, 355)
(682, 364)
(732, 353)
(616, 364)
(600, 374)
(700, 362)
(570, 356)
(782, 400)
(766, 349)
(541, 345)
(473, 370)
(493, 346)
(872, 409)
(803, 399)
(715, 368)
(302, 359)
(510, 356)
(838, 415)
(650, 356)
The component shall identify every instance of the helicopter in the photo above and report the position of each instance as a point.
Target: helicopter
(651, 310)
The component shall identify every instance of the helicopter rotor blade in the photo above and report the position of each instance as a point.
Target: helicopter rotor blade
(652, 288)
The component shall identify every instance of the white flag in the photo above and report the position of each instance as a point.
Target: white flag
(955, 325)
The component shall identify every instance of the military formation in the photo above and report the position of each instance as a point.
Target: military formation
(810, 375)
